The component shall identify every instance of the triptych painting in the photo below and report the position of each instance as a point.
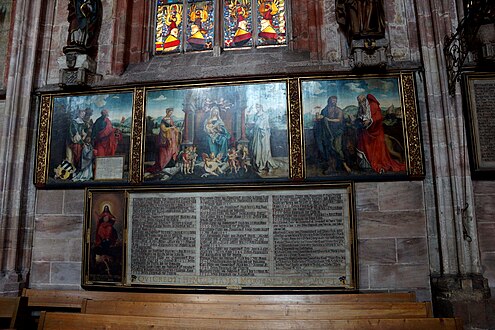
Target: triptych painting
(254, 131)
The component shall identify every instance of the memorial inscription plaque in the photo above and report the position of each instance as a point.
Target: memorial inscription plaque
(481, 117)
(284, 238)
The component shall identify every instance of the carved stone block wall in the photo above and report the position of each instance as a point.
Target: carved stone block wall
(391, 232)
(392, 237)
(5, 12)
(484, 198)
(57, 241)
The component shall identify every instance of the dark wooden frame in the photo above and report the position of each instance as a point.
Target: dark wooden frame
(347, 282)
(480, 168)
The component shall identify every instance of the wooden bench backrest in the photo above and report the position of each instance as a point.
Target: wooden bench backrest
(13, 309)
(73, 299)
(54, 320)
(8, 306)
(356, 310)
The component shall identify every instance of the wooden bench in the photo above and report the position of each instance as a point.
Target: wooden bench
(54, 320)
(132, 310)
(260, 311)
(53, 299)
(12, 312)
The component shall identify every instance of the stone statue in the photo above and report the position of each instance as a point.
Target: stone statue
(84, 23)
(78, 66)
(361, 19)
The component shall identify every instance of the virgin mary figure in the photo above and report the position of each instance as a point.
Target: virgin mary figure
(217, 133)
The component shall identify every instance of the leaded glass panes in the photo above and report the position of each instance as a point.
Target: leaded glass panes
(237, 16)
(168, 26)
(191, 25)
(271, 22)
(200, 25)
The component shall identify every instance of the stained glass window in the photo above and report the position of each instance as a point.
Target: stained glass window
(237, 16)
(169, 15)
(271, 22)
(200, 25)
(191, 25)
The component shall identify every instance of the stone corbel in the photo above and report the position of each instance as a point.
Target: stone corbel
(76, 68)
(369, 53)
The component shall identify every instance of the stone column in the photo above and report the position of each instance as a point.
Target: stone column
(16, 199)
(453, 243)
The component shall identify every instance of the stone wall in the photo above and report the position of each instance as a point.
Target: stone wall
(390, 222)
(406, 230)
(5, 12)
(484, 192)
(57, 241)
(392, 237)
(390, 216)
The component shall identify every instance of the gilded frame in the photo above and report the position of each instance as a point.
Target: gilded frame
(105, 227)
(348, 139)
(479, 111)
(75, 130)
(287, 112)
(217, 133)
(337, 270)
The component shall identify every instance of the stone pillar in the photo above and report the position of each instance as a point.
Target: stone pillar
(16, 201)
(188, 136)
(453, 243)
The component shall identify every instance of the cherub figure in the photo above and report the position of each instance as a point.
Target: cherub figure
(212, 164)
(188, 160)
(184, 160)
(233, 162)
(242, 156)
(193, 155)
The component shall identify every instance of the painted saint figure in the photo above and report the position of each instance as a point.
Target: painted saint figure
(106, 234)
(107, 248)
(86, 171)
(218, 135)
(75, 143)
(371, 136)
(105, 137)
(261, 144)
(328, 130)
(167, 143)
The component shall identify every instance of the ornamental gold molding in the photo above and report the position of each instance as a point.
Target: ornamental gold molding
(136, 157)
(416, 167)
(43, 142)
(296, 168)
